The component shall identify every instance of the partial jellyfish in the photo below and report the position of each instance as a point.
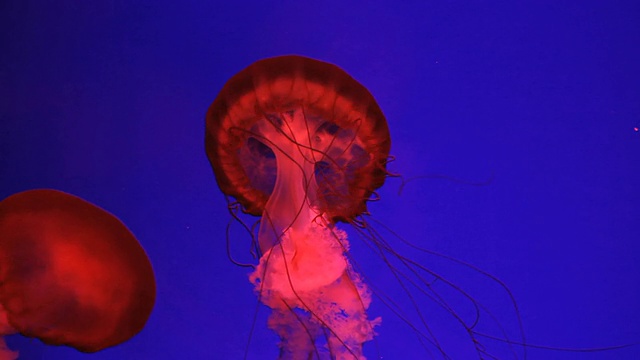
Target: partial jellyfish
(70, 273)
(302, 144)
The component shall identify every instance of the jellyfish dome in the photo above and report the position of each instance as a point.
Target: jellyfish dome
(302, 144)
(70, 273)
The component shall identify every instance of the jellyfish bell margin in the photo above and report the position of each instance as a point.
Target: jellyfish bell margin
(303, 145)
(70, 273)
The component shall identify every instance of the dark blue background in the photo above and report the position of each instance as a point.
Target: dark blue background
(106, 100)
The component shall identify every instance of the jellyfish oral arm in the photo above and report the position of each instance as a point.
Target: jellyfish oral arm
(288, 207)
(291, 231)
(304, 275)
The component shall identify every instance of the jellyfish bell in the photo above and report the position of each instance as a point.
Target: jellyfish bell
(287, 103)
(302, 144)
(70, 273)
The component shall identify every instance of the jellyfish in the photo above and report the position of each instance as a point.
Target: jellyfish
(70, 273)
(303, 145)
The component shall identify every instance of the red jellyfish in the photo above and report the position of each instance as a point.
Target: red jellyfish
(70, 273)
(302, 144)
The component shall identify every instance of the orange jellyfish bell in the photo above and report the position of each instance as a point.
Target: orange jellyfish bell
(70, 273)
(343, 127)
(302, 144)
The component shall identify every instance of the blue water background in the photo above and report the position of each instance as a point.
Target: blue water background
(106, 100)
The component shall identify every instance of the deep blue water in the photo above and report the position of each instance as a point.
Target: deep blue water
(106, 100)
